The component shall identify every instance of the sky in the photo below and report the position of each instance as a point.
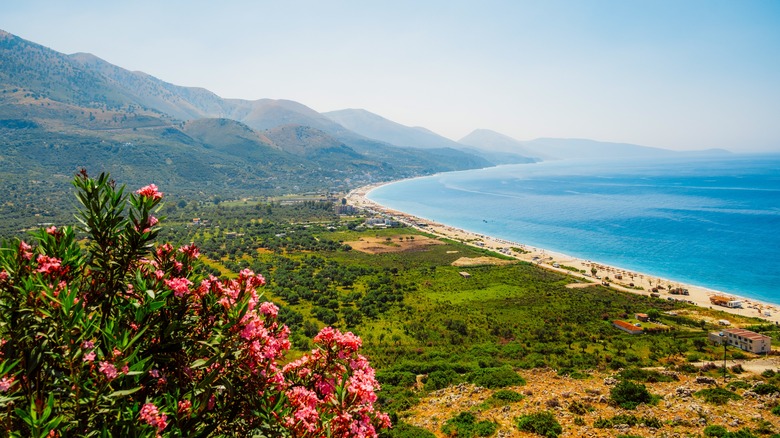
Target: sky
(682, 75)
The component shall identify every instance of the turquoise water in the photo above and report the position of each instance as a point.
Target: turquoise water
(709, 222)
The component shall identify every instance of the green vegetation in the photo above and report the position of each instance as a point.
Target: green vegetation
(765, 389)
(403, 430)
(507, 395)
(629, 395)
(717, 396)
(630, 420)
(721, 432)
(541, 423)
(580, 407)
(466, 425)
(496, 377)
(423, 326)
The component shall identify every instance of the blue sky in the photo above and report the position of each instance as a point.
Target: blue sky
(675, 74)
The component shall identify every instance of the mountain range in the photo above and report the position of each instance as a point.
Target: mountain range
(59, 113)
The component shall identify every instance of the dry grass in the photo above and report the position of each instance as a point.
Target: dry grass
(680, 413)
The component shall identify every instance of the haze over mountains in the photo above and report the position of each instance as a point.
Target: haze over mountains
(61, 112)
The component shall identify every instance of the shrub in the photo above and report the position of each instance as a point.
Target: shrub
(466, 425)
(440, 379)
(629, 395)
(709, 366)
(715, 430)
(580, 407)
(768, 373)
(776, 410)
(507, 395)
(717, 396)
(765, 389)
(642, 375)
(404, 430)
(737, 369)
(763, 427)
(125, 339)
(496, 377)
(541, 423)
(738, 384)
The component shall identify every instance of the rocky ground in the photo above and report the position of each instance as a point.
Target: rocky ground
(680, 412)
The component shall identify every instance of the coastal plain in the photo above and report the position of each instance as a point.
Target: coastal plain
(613, 276)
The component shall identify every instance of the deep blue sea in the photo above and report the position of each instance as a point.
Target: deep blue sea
(708, 222)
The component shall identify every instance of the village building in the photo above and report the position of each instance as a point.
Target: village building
(743, 339)
(642, 317)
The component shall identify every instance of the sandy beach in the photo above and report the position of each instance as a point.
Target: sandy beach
(616, 277)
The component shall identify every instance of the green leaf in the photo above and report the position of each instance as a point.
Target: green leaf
(124, 392)
(198, 363)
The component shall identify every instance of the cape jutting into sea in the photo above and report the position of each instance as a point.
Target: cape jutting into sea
(711, 222)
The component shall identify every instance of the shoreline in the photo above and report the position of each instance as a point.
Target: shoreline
(698, 295)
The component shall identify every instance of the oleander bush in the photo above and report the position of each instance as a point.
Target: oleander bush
(107, 334)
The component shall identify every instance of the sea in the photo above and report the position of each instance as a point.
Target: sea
(712, 222)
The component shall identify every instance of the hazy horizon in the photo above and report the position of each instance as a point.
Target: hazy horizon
(677, 75)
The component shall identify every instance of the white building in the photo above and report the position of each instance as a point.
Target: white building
(744, 340)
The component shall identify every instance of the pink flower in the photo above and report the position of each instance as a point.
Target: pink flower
(184, 406)
(25, 250)
(6, 383)
(49, 265)
(164, 250)
(269, 309)
(191, 251)
(108, 370)
(150, 191)
(88, 345)
(89, 357)
(179, 286)
(151, 415)
(4, 275)
(52, 230)
(154, 373)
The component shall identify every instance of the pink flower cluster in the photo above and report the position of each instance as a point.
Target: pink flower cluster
(25, 250)
(347, 403)
(109, 370)
(191, 251)
(50, 265)
(6, 383)
(179, 285)
(150, 191)
(151, 415)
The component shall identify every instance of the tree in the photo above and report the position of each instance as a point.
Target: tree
(654, 314)
(118, 328)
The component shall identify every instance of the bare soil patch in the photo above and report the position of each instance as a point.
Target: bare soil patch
(580, 285)
(380, 245)
(480, 261)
